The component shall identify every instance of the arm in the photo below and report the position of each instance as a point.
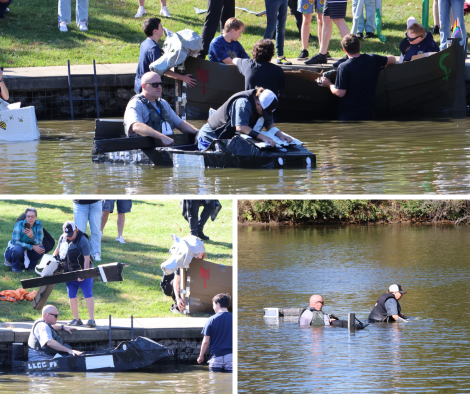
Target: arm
(38, 238)
(228, 60)
(262, 137)
(279, 134)
(204, 346)
(328, 84)
(86, 265)
(146, 131)
(3, 88)
(391, 60)
(176, 290)
(182, 77)
(185, 127)
(60, 348)
(16, 236)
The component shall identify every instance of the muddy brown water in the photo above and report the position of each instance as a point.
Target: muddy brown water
(392, 157)
(351, 266)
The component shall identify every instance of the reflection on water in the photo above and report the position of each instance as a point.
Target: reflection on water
(370, 157)
(169, 378)
(351, 266)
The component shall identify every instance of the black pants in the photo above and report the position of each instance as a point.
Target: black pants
(196, 224)
(298, 15)
(218, 11)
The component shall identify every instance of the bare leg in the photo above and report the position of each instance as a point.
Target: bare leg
(90, 305)
(74, 306)
(142, 3)
(162, 3)
(342, 26)
(435, 12)
(104, 219)
(319, 27)
(305, 30)
(120, 223)
(326, 34)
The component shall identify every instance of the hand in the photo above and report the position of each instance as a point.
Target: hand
(200, 359)
(69, 329)
(28, 231)
(188, 80)
(269, 140)
(80, 280)
(325, 82)
(167, 141)
(181, 305)
(72, 351)
(38, 249)
(284, 137)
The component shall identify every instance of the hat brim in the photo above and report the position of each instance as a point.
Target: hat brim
(268, 117)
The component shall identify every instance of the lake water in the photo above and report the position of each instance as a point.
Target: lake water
(169, 378)
(351, 266)
(393, 157)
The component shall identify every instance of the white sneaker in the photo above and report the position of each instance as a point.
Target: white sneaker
(164, 11)
(140, 12)
(97, 257)
(82, 26)
(63, 26)
(120, 239)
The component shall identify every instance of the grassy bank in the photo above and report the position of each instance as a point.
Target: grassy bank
(147, 232)
(29, 36)
(352, 211)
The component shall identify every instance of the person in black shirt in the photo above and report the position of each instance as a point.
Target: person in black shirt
(356, 81)
(259, 71)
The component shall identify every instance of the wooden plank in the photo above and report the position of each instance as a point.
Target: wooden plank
(42, 296)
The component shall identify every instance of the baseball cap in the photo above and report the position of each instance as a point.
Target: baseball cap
(69, 227)
(269, 102)
(395, 288)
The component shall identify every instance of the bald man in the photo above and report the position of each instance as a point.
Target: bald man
(147, 114)
(44, 341)
(314, 316)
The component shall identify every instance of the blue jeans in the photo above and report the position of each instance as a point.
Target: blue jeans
(370, 15)
(276, 12)
(15, 256)
(65, 11)
(446, 23)
(83, 213)
(3, 7)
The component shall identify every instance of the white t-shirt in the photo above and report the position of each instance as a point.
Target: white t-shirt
(43, 332)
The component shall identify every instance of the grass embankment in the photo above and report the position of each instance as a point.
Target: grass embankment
(29, 36)
(353, 211)
(147, 232)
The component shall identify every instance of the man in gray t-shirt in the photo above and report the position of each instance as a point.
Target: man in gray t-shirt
(137, 115)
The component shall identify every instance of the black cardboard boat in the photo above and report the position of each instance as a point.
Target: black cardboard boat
(237, 152)
(128, 355)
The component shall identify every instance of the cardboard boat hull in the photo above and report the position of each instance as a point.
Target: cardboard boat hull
(18, 125)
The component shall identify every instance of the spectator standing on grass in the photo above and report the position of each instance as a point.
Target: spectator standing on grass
(446, 24)
(276, 13)
(150, 51)
(306, 7)
(85, 211)
(435, 17)
(163, 9)
(4, 7)
(123, 207)
(370, 25)
(65, 14)
(218, 335)
(218, 12)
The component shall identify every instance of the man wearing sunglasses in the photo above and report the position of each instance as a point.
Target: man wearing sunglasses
(147, 114)
(417, 41)
(314, 316)
(44, 340)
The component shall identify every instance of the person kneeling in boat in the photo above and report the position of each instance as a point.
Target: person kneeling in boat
(388, 309)
(44, 340)
(314, 316)
(147, 114)
(356, 81)
(245, 112)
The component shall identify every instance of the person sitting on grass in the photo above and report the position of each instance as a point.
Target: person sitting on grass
(417, 41)
(225, 48)
(218, 335)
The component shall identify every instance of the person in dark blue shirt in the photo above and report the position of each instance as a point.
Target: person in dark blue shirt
(417, 41)
(356, 81)
(218, 333)
(226, 47)
(150, 51)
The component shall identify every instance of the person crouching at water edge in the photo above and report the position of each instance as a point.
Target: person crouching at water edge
(314, 316)
(147, 114)
(245, 112)
(388, 309)
(44, 340)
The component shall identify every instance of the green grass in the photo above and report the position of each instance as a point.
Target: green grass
(147, 232)
(29, 36)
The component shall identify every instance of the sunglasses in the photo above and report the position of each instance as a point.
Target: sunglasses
(412, 39)
(320, 302)
(155, 84)
(56, 316)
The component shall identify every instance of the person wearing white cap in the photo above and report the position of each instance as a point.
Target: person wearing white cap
(245, 112)
(388, 309)
(74, 250)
